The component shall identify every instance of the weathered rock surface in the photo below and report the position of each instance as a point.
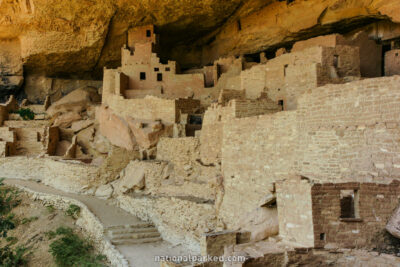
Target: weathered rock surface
(393, 225)
(115, 129)
(133, 178)
(70, 37)
(76, 101)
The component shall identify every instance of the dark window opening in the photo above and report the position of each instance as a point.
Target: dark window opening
(239, 24)
(196, 119)
(285, 70)
(252, 58)
(349, 204)
(219, 118)
(167, 69)
(143, 76)
(281, 103)
(322, 236)
(336, 61)
(156, 69)
(289, 1)
(148, 33)
(385, 48)
(38, 137)
(159, 77)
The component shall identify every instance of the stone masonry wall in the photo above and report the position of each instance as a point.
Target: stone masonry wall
(295, 213)
(376, 203)
(349, 132)
(339, 133)
(256, 151)
(392, 62)
(149, 108)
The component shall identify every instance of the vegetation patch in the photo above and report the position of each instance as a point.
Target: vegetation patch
(26, 114)
(73, 211)
(71, 250)
(9, 256)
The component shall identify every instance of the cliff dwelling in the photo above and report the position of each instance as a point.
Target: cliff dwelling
(200, 133)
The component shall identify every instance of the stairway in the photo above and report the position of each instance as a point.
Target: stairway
(138, 233)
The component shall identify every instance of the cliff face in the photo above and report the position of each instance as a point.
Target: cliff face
(78, 37)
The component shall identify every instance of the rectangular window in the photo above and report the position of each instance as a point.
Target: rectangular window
(143, 76)
(156, 69)
(148, 33)
(285, 70)
(167, 69)
(159, 77)
(349, 204)
(336, 61)
(281, 103)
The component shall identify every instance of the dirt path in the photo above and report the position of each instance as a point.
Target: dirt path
(138, 255)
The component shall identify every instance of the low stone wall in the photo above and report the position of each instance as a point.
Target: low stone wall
(179, 221)
(87, 221)
(66, 176)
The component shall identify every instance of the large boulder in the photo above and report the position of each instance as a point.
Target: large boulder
(393, 225)
(115, 129)
(67, 119)
(261, 223)
(132, 178)
(76, 101)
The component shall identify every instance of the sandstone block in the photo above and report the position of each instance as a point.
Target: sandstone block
(80, 125)
(104, 191)
(393, 225)
(115, 129)
(131, 180)
(65, 120)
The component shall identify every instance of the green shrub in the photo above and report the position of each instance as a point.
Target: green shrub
(8, 200)
(73, 211)
(26, 114)
(11, 258)
(71, 250)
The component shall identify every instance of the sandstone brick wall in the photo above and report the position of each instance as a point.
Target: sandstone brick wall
(339, 133)
(290, 75)
(295, 211)
(349, 131)
(149, 108)
(3, 114)
(370, 53)
(216, 116)
(392, 62)
(253, 81)
(376, 204)
(256, 151)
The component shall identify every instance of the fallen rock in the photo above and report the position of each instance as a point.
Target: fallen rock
(78, 126)
(104, 191)
(115, 129)
(132, 179)
(393, 225)
(261, 223)
(76, 101)
(65, 120)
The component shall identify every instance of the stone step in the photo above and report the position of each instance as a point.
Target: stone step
(132, 230)
(136, 241)
(130, 226)
(135, 236)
